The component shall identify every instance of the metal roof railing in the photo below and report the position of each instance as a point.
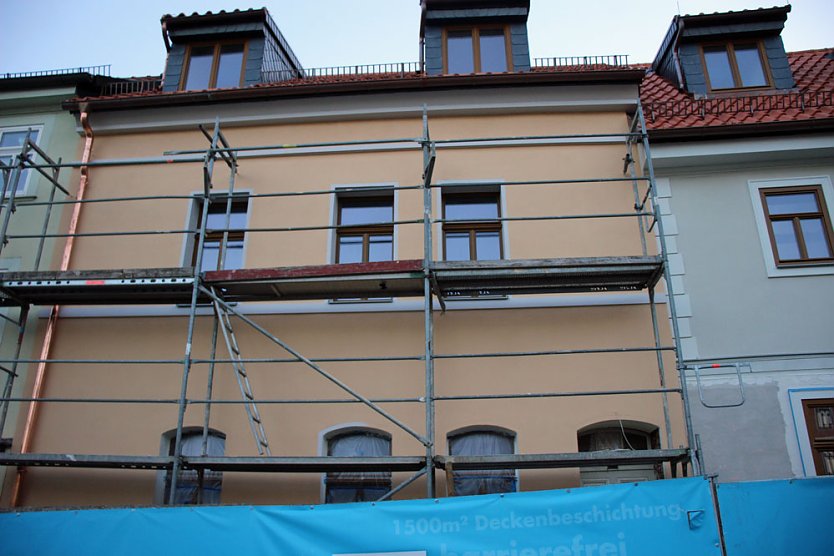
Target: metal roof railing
(730, 105)
(399, 68)
(92, 70)
(617, 60)
(132, 85)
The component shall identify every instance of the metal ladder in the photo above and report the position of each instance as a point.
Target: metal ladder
(254, 416)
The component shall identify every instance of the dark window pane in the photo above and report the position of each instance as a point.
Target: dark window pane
(718, 67)
(15, 138)
(359, 210)
(229, 66)
(786, 244)
(381, 248)
(457, 246)
(473, 208)
(792, 203)
(199, 68)
(350, 249)
(816, 242)
(460, 57)
(488, 246)
(493, 50)
(750, 66)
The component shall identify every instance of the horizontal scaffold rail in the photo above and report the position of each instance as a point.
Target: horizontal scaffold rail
(324, 464)
(359, 280)
(562, 460)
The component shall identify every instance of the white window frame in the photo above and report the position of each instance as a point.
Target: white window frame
(194, 214)
(25, 190)
(755, 187)
(347, 189)
(470, 186)
(795, 399)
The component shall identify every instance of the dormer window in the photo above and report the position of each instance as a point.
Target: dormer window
(735, 65)
(214, 66)
(480, 49)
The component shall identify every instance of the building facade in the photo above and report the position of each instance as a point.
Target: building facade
(32, 124)
(357, 286)
(742, 147)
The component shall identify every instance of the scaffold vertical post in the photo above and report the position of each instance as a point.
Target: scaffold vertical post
(12, 371)
(428, 165)
(10, 190)
(47, 217)
(208, 168)
(661, 368)
(670, 294)
(635, 185)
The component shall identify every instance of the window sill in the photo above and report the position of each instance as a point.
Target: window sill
(809, 269)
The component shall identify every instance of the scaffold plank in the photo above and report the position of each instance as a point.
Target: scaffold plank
(562, 460)
(363, 280)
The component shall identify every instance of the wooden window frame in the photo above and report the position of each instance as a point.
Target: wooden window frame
(238, 200)
(822, 213)
(729, 46)
(476, 44)
(474, 226)
(364, 230)
(817, 440)
(215, 62)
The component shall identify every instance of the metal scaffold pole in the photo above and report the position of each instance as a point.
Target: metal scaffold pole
(670, 294)
(428, 168)
(208, 168)
(11, 372)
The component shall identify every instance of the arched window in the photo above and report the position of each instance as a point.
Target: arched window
(194, 487)
(618, 435)
(364, 486)
(482, 442)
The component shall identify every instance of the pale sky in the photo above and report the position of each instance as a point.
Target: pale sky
(51, 34)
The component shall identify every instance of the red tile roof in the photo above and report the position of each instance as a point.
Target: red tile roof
(668, 108)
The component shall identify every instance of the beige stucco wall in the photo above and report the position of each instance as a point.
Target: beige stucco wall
(320, 172)
(542, 425)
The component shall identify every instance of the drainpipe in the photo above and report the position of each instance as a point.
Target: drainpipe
(52, 323)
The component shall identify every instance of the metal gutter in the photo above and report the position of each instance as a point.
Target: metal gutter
(52, 323)
(263, 92)
(740, 130)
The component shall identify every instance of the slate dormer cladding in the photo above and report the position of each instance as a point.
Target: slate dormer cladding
(268, 58)
(438, 14)
(679, 58)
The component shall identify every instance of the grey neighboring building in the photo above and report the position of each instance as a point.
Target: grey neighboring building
(30, 106)
(743, 149)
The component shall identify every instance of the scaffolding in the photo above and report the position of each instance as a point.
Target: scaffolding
(432, 280)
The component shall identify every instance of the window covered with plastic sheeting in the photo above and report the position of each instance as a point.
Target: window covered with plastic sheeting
(197, 487)
(358, 486)
(482, 443)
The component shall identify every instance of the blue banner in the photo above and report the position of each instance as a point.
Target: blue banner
(651, 518)
(778, 517)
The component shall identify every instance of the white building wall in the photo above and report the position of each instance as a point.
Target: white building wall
(732, 306)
